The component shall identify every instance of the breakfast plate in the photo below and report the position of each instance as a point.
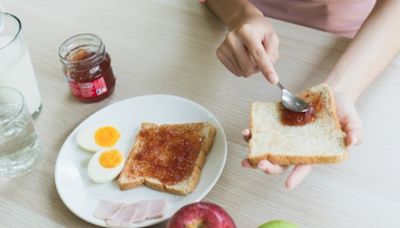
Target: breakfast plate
(82, 196)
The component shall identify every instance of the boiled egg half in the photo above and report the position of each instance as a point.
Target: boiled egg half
(97, 137)
(105, 165)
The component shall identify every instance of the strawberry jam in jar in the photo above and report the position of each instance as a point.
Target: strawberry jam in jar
(87, 67)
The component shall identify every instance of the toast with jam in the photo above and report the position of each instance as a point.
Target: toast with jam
(168, 157)
(288, 138)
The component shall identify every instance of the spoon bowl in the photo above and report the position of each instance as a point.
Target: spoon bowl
(292, 102)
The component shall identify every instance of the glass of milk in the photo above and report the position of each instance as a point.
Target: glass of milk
(16, 69)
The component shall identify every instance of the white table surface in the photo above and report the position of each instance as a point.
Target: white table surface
(169, 47)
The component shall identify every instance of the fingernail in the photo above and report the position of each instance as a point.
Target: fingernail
(245, 132)
(289, 187)
(245, 165)
(262, 165)
(274, 79)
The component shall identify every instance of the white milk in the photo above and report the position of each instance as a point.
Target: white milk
(1, 18)
(16, 71)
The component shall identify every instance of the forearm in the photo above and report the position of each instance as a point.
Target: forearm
(232, 11)
(372, 49)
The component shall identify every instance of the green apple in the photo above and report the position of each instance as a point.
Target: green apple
(278, 224)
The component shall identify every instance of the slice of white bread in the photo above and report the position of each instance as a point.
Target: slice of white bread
(131, 177)
(318, 142)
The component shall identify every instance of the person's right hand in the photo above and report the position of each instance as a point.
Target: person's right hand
(250, 47)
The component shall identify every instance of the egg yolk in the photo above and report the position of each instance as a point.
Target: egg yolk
(110, 158)
(106, 136)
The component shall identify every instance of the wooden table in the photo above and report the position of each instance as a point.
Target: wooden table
(169, 47)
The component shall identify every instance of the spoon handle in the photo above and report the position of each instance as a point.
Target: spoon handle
(280, 85)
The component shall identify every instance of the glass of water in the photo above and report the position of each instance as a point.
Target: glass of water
(19, 146)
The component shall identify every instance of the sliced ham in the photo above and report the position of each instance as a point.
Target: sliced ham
(141, 214)
(156, 208)
(123, 217)
(106, 209)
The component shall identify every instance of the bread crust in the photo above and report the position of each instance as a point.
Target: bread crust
(189, 187)
(154, 184)
(295, 159)
(127, 181)
(123, 184)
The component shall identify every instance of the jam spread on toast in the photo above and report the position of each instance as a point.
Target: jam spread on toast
(168, 153)
(302, 118)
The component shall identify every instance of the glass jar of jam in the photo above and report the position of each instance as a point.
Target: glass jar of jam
(87, 67)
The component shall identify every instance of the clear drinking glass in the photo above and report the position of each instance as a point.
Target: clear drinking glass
(16, 69)
(19, 146)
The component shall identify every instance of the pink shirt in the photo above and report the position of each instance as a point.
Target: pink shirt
(343, 17)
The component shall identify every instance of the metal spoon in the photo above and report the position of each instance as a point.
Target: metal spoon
(292, 102)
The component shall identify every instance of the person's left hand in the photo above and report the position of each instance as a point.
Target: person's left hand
(351, 125)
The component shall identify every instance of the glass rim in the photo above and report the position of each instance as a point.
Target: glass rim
(17, 34)
(5, 88)
(64, 59)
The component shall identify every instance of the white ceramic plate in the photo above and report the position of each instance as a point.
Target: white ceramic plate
(82, 196)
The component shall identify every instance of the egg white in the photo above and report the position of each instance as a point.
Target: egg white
(86, 140)
(100, 174)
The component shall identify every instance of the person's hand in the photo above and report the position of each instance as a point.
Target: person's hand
(250, 47)
(351, 125)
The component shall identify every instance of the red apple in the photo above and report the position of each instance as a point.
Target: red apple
(201, 215)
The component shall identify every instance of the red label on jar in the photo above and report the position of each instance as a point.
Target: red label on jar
(88, 89)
